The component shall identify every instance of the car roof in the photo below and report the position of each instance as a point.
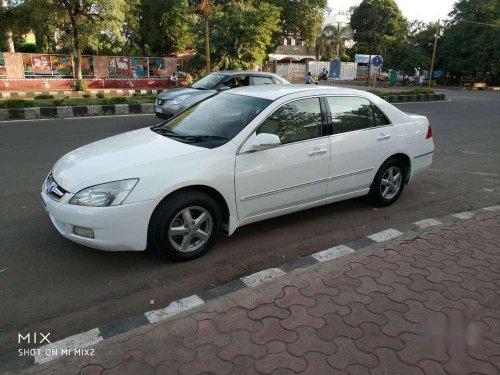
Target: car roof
(246, 72)
(273, 92)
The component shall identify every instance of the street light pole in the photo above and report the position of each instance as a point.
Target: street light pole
(434, 53)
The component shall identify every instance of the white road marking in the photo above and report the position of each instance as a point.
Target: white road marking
(332, 253)
(491, 208)
(489, 190)
(385, 235)
(3, 269)
(82, 340)
(463, 215)
(174, 308)
(261, 277)
(427, 223)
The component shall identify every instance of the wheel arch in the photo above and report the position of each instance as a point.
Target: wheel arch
(208, 190)
(405, 159)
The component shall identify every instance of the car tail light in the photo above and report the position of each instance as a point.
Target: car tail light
(429, 133)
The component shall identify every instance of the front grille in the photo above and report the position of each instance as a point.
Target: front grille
(53, 189)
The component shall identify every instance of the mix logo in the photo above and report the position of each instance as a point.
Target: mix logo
(33, 338)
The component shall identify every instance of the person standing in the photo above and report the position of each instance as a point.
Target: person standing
(421, 80)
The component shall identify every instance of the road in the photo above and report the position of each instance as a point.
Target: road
(49, 284)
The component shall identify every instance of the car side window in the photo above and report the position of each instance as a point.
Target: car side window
(296, 121)
(350, 114)
(237, 81)
(379, 117)
(258, 80)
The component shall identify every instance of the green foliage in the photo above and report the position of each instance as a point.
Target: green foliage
(16, 103)
(302, 19)
(87, 95)
(58, 102)
(80, 85)
(100, 95)
(468, 48)
(345, 57)
(329, 43)
(241, 34)
(425, 91)
(164, 26)
(117, 100)
(44, 96)
(373, 20)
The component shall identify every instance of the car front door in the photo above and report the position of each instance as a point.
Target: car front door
(291, 174)
(362, 138)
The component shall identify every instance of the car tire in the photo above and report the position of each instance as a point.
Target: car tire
(184, 226)
(387, 187)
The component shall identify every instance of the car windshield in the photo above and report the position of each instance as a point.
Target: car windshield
(214, 121)
(208, 82)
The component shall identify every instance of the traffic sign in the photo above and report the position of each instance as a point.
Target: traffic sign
(377, 61)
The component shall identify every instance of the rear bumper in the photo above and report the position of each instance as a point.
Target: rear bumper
(421, 162)
(117, 228)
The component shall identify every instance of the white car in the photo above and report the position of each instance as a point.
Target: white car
(241, 156)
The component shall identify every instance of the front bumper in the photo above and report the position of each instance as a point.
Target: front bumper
(116, 228)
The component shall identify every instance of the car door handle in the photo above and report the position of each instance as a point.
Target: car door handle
(318, 152)
(383, 137)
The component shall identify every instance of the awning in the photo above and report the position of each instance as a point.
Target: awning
(275, 56)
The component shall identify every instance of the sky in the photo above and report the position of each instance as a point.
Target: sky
(423, 10)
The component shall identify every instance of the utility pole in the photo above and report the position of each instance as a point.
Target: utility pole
(10, 41)
(434, 53)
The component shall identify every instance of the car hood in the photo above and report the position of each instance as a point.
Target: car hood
(172, 94)
(128, 155)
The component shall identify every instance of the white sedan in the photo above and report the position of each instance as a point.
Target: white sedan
(242, 156)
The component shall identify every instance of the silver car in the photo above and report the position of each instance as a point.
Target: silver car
(171, 102)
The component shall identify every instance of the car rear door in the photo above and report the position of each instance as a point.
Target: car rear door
(291, 174)
(361, 139)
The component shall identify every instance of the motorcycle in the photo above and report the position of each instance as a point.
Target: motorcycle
(323, 76)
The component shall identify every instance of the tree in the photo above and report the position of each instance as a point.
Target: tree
(9, 41)
(301, 19)
(373, 20)
(86, 23)
(206, 8)
(471, 41)
(241, 33)
(163, 26)
(329, 42)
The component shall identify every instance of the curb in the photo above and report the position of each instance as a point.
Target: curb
(79, 342)
(34, 113)
(414, 98)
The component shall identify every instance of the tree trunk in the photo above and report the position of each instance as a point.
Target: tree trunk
(78, 48)
(207, 46)
(10, 40)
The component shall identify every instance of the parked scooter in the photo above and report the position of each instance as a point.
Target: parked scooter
(323, 76)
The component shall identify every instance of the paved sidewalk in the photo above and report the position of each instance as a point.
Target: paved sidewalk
(425, 303)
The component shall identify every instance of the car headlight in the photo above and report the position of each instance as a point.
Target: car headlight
(104, 195)
(180, 99)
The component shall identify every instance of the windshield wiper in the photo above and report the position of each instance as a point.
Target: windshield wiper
(188, 138)
(201, 138)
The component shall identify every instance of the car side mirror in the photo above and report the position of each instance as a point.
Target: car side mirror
(264, 141)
